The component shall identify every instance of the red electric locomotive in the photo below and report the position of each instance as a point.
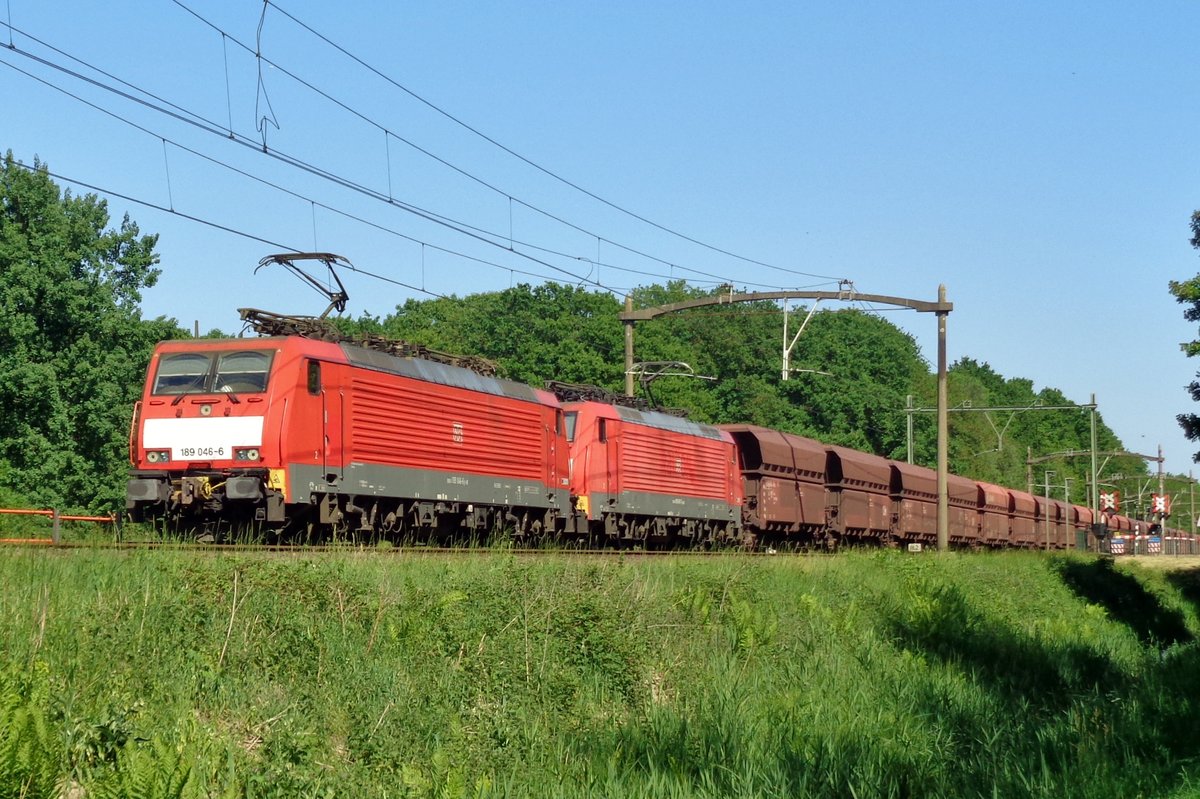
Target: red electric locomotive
(314, 436)
(649, 477)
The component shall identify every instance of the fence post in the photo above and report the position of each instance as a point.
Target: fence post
(56, 527)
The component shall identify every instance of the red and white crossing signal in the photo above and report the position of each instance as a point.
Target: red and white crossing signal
(1110, 502)
(1160, 503)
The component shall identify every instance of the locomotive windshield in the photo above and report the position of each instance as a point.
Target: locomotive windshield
(240, 371)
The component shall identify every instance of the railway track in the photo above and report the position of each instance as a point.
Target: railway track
(1171, 562)
(384, 551)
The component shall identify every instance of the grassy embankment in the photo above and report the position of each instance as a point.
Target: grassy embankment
(161, 673)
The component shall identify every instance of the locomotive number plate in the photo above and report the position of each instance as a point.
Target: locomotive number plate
(202, 452)
(208, 438)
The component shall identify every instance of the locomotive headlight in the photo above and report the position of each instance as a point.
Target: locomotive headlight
(245, 454)
(157, 456)
(152, 457)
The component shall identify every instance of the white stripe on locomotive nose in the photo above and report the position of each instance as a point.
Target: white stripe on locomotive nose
(220, 431)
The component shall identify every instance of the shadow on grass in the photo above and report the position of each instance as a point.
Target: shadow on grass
(1074, 706)
(1127, 600)
(1023, 668)
(1066, 721)
(1187, 581)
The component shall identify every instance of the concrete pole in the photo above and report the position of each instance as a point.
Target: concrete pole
(1029, 469)
(910, 428)
(787, 351)
(943, 432)
(1095, 477)
(628, 349)
(1046, 509)
(1070, 528)
(1162, 492)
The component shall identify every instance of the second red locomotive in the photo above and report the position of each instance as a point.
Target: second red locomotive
(653, 477)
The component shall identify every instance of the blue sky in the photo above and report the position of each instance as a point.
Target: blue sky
(1039, 159)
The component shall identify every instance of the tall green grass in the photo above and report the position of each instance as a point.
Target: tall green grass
(169, 673)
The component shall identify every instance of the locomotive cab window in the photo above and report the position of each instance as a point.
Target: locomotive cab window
(241, 371)
(182, 373)
(570, 418)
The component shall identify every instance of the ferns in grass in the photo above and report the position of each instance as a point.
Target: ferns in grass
(154, 772)
(29, 765)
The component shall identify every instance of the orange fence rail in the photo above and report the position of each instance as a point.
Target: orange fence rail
(55, 527)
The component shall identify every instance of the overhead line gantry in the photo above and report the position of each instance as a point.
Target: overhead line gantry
(941, 308)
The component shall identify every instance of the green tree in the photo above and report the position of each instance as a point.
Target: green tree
(734, 344)
(992, 445)
(1188, 294)
(532, 333)
(73, 345)
(871, 367)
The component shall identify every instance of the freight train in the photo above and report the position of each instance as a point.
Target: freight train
(306, 435)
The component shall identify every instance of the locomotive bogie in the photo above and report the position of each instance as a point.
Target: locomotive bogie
(385, 518)
(205, 504)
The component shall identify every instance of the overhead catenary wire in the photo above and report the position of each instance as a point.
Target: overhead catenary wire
(288, 247)
(208, 126)
(524, 159)
(182, 114)
(310, 200)
(214, 225)
(257, 53)
(187, 116)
